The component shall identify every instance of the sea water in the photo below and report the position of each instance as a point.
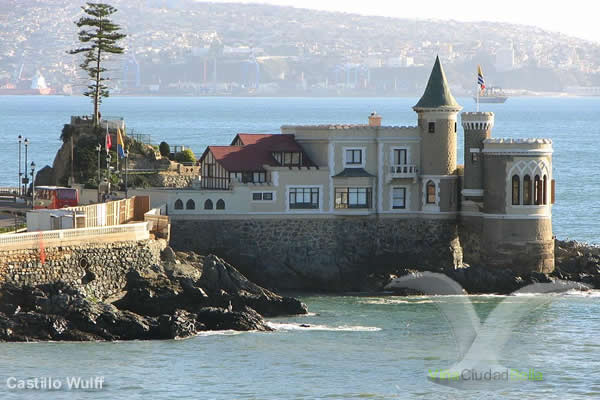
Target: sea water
(349, 347)
(352, 346)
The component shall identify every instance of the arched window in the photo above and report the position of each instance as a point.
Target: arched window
(190, 205)
(220, 204)
(527, 190)
(545, 190)
(178, 204)
(537, 190)
(430, 192)
(208, 204)
(516, 190)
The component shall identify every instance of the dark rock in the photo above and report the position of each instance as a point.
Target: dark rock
(45, 177)
(168, 255)
(219, 276)
(181, 324)
(215, 318)
(177, 301)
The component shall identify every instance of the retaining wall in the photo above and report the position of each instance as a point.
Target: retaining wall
(321, 253)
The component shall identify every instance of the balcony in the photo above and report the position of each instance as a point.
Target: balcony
(402, 171)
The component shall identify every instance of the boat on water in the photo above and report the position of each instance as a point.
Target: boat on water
(492, 95)
(35, 86)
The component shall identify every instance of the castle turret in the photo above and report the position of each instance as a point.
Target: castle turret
(477, 127)
(437, 110)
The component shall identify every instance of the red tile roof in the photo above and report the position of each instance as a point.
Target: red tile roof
(256, 151)
(275, 142)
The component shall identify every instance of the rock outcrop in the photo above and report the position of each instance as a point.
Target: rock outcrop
(177, 299)
(575, 262)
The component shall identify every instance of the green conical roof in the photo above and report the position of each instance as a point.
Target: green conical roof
(437, 93)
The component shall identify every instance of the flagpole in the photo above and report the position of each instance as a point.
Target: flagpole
(117, 149)
(478, 97)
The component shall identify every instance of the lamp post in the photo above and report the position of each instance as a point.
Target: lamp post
(32, 185)
(125, 154)
(25, 180)
(20, 139)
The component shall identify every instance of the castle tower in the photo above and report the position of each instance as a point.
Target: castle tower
(437, 110)
(517, 205)
(477, 127)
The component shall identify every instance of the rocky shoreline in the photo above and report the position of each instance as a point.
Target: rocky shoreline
(189, 293)
(575, 262)
(184, 295)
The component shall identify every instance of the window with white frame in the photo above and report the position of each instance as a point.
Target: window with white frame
(430, 193)
(303, 198)
(262, 196)
(348, 197)
(400, 156)
(354, 157)
(399, 198)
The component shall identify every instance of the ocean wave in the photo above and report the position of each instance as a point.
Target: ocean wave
(570, 293)
(395, 301)
(217, 333)
(309, 327)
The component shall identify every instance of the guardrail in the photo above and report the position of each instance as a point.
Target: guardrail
(65, 237)
(8, 190)
(403, 171)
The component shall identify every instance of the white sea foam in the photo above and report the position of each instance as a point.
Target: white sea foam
(395, 301)
(217, 333)
(342, 328)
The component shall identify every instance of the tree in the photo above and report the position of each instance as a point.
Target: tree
(100, 37)
(186, 155)
(164, 149)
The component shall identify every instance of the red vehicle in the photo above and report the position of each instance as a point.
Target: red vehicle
(53, 197)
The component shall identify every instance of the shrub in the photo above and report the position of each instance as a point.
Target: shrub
(186, 155)
(165, 149)
(67, 131)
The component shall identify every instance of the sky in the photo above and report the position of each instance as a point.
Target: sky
(577, 18)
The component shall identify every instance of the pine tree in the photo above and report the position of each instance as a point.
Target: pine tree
(100, 37)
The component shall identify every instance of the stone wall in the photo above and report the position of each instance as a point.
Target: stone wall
(321, 253)
(172, 180)
(523, 246)
(97, 269)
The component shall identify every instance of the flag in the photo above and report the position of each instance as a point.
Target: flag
(480, 80)
(120, 144)
(107, 141)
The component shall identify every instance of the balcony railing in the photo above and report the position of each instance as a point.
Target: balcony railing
(403, 171)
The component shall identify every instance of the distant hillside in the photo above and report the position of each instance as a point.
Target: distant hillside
(178, 44)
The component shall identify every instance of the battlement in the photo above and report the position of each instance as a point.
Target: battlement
(519, 140)
(518, 146)
(341, 127)
(477, 120)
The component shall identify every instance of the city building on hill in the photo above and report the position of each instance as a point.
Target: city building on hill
(500, 202)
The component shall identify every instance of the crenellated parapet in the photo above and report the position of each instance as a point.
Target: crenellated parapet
(477, 121)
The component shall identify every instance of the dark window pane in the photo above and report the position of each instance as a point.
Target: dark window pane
(516, 190)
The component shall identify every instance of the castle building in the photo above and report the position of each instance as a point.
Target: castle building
(500, 203)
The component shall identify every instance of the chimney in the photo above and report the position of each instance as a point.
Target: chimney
(374, 119)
